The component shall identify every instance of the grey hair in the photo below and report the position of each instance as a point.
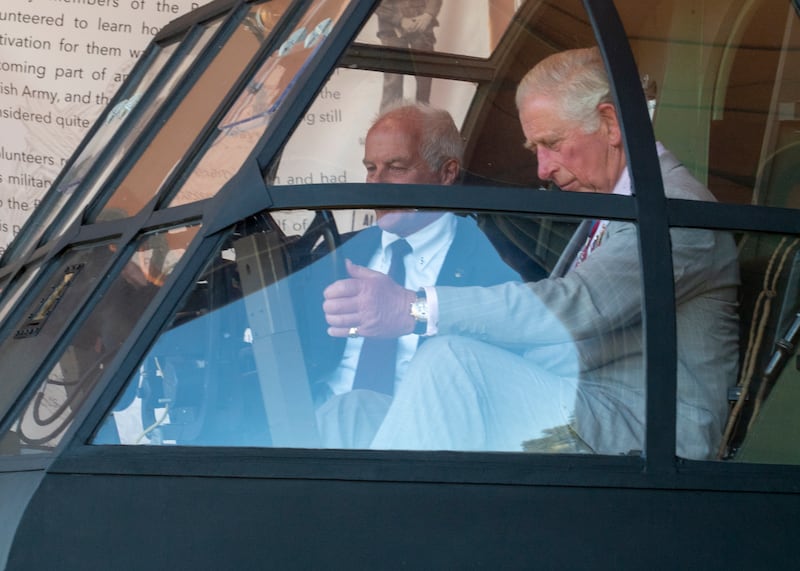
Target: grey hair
(575, 79)
(440, 139)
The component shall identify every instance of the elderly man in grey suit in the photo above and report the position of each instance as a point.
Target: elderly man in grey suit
(578, 363)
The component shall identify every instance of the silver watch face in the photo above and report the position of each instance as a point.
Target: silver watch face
(419, 310)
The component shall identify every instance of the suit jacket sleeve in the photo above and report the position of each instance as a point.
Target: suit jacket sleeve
(603, 293)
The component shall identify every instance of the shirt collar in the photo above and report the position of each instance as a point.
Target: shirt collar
(434, 235)
(623, 186)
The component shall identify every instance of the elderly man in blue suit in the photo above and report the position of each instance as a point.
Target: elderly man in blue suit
(408, 143)
(582, 366)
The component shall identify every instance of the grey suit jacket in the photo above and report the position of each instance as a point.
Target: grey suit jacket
(588, 324)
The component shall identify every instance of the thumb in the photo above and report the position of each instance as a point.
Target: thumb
(360, 272)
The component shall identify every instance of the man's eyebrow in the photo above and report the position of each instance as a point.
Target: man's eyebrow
(530, 145)
(393, 160)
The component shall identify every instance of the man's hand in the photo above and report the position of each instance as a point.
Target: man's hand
(370, 301)
(417, 24)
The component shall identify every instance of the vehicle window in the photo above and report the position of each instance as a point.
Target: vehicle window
(327, 146)
(252, 359)
(706, 270)
(244, 124)
(12, 290)
(47, 315)
(467, 28)
(75, 175)
(95, 182)
(51, 410)
(182, 128)
(723, 81)
(761, 415)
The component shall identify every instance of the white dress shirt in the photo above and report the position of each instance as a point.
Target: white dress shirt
(429, 250)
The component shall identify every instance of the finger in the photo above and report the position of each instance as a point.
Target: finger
(342, 319)
(340, 332)
(342, 288)
(341, 306)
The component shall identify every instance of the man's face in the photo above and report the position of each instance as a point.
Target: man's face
(391, 155)
(567, 156)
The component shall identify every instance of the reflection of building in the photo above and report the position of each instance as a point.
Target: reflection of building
(407, 24)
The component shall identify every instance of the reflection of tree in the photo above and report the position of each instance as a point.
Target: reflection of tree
(407, 24)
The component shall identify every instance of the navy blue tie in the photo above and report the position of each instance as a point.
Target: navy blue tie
(378, 359)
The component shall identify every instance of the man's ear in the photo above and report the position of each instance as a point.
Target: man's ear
(608, 115)
(448, 172)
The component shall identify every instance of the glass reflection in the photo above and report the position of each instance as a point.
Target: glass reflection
(463, 27)
(762, 419)
(328, 144)
(187, 122)
(724, 92)
(88, 156)
(46, 318)
(50, 412)
(124, 145)
(13, 291)
(252, 359)
(246, 121)
(115, 118)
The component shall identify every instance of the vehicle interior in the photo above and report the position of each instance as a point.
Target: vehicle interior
(163, 288)
(759, 172)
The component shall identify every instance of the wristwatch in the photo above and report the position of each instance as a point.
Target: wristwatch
(419, 311)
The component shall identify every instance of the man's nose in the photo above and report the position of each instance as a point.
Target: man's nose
(545, 167)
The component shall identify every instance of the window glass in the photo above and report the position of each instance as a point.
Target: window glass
(250, 358)
(328, 144)
(99, 141)
(13, 290)
(41, 425)
(463, 27)
(48, 315)
(186, 123)
(244, 124)
(723, 82)
(761, 423)
(706, 270)
(115, 118)
(125, 143)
